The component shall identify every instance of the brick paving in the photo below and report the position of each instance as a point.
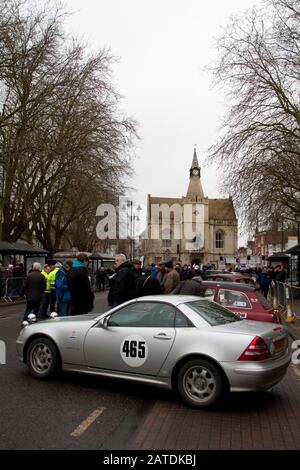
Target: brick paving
(260, 421)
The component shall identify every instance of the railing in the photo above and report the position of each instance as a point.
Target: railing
(287, 298)
(11, 288)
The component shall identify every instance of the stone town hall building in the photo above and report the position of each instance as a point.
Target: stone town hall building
(191, 229)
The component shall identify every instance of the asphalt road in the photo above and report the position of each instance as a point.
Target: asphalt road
(76, 411)
(72, 411)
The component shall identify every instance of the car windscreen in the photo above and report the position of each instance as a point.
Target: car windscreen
(213, 313)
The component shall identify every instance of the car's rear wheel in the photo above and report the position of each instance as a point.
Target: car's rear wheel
(42, 358)
(199, 383)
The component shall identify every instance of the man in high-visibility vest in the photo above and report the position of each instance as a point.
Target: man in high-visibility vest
(46, 295)
(51, 281)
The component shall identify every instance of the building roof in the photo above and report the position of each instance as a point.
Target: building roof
(165, 200)
(294, 250)
(21, 248)
(221, 209)
(279, 255)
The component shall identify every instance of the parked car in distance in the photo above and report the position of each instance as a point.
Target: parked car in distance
(242, 299)
(231, 277)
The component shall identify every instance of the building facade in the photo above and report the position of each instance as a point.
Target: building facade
(192, 229)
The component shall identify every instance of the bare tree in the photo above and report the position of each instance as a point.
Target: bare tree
(65, 143)
(260, 147)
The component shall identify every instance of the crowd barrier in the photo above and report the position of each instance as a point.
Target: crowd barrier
(11, 288)
(287, 298)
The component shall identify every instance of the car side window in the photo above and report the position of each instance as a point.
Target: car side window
(181, 321)
(229, 298)
(208, 292)
(144, 315)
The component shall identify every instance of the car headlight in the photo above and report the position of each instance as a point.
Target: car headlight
(24, 324)
(53, 315)
(31, 318)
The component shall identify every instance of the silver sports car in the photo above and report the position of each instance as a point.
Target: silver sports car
(184, 343)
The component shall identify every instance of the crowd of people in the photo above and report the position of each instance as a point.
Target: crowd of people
(65, 287)
(129, 281)
(62, 287)
(264, 277)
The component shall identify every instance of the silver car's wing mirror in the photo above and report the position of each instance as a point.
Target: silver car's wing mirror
(104, 322)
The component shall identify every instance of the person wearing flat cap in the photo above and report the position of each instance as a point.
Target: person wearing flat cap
(172, 279)
(137, 269)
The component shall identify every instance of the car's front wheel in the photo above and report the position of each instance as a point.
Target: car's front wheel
(199, 383)
(42, 358)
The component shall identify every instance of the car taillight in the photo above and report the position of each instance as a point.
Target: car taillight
(256, 351)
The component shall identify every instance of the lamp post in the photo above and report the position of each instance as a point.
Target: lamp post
(133, 218)
(297, 217)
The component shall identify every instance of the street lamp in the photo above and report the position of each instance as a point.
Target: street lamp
(133, 218)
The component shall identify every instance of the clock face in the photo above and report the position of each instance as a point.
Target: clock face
(195, 172)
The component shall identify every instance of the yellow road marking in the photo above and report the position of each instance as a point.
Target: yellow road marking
(87, 422)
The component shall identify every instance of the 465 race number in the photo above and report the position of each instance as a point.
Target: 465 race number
(134, 350)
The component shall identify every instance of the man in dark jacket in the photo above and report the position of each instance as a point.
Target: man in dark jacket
(189, 287)
(122, 286)
(82, 297)
(147, 285)
(280, 274)
(33, 288)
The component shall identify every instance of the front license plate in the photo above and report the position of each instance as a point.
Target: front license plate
(280, 345)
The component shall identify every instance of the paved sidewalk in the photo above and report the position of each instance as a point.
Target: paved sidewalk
(294, 326)
(261, 421)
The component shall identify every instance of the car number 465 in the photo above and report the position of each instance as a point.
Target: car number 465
(134, 350)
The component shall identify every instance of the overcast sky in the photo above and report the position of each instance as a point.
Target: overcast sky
(163, 47)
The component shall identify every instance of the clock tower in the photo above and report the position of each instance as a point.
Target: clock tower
(195, 191)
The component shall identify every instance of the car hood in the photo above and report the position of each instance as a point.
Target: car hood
(73, 319)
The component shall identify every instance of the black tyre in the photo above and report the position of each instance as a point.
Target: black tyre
(199, 383)
(42, 358)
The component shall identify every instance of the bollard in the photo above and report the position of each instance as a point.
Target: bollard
(274, 299)
(289, 313)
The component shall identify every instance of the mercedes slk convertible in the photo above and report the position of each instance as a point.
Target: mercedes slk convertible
(191, 345)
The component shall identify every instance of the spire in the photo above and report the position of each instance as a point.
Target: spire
(195, 163)
(195, 190)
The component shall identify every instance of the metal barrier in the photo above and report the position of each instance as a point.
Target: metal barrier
(13, 288)
(287, 298)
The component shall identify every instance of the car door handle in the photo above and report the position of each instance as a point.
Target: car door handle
(162, 336)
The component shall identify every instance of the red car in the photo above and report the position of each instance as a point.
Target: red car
(245, 300)
(231, 277)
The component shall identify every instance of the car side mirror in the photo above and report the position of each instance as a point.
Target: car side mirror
(104, 322)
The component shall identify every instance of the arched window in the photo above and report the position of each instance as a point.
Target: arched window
(220, 239)
(166, 238)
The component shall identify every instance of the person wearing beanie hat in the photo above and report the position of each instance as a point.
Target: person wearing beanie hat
(169, 264)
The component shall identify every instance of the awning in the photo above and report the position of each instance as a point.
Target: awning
(21, 249)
